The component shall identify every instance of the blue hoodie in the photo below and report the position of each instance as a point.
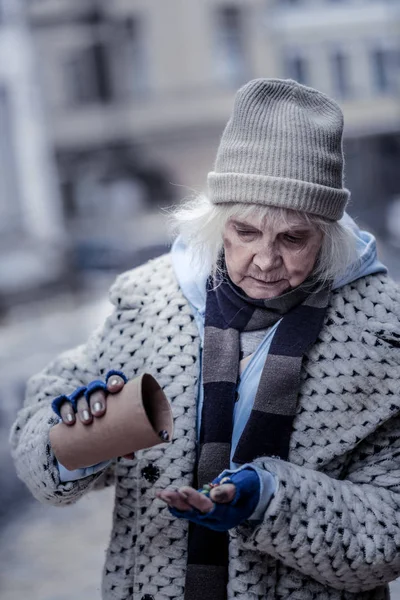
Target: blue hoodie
(193, 285)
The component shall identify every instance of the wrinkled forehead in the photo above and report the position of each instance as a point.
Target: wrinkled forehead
(274, 218)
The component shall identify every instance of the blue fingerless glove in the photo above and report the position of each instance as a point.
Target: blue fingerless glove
(115, 372)
(225, 516)
(73, 398)
(93, 386)
(97, 384)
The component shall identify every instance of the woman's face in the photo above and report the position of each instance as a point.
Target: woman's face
(267, 259)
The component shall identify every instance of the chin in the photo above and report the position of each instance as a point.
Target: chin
(260, 296)
(261, 293)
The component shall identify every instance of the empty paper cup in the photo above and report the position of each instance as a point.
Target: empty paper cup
(137, 417)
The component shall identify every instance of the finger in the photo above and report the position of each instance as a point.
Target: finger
(174, 500)
(83, 411)
(115, 384)
(97, 401)
(196, 499)
(223, 493)
(179, 501)
(67, 413)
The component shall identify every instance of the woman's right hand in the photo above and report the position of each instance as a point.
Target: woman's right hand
(92, 407)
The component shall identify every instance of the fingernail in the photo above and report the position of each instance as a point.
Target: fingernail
(219, 495)
(97, 406)
(85, 415)
(70, 418)
(114, 381)
(164, 435)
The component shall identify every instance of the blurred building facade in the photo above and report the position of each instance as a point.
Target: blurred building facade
(149, 85)
(133, 96)
(155, 77)
(109, 109)
(31, 225)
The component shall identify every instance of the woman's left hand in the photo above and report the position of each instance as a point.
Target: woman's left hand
(232, 500)
(187, 498)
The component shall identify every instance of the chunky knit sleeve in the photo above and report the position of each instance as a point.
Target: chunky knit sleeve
(342, 533)
(30, 447)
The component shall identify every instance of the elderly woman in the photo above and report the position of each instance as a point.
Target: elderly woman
(275, 333)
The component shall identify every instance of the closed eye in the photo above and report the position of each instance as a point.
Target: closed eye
(292, 239)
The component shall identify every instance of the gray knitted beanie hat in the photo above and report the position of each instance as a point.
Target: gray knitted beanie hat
(282, 147)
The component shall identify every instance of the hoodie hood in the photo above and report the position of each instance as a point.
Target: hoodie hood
(192, 279)
(367, 262)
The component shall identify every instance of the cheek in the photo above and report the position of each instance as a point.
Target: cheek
(229, 250)
(300, 264)
(236, 258)
(227, 244)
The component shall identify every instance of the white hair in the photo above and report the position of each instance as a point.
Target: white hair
(201, 225)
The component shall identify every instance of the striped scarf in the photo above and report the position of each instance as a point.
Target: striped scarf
(267, 433)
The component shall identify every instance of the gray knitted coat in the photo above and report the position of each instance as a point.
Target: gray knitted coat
(332, 531)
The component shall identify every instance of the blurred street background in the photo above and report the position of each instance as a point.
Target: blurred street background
(110, 112)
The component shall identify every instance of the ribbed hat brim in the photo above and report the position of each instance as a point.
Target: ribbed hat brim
(278, 191)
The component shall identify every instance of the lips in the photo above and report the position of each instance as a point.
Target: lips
(267, 282)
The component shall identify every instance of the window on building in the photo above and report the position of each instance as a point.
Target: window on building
(297, 68)
(10, 216)
(340, 66)
(383, 68)
(86, 74)
(231, 63)
(129, 60)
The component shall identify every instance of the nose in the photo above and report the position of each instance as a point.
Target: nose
(267, 258)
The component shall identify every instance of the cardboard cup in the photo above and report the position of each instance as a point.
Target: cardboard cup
(133, 421)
